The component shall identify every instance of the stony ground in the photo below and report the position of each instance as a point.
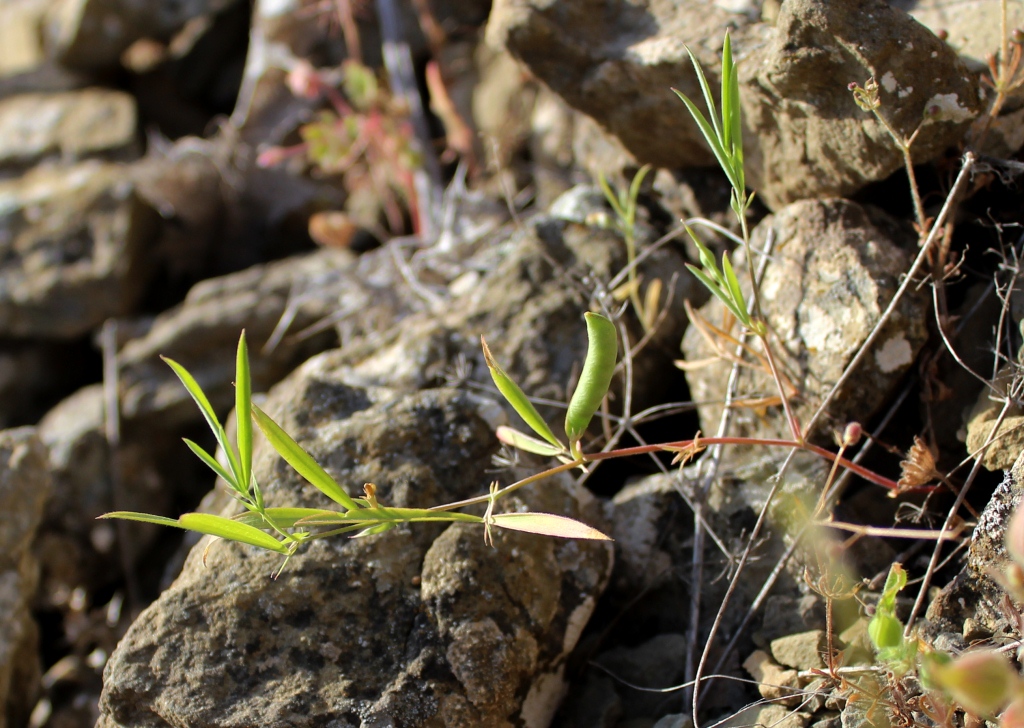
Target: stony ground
(368, 188)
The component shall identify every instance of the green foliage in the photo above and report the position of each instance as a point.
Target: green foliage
(886, 630)
(724, 135)
(592, 388)
(299, 459)
(598, 368)
(723, 284)
(518, 399)
(283, 530)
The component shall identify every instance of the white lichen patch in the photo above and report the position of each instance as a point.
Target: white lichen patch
(947, 107)
(889, 82)
(543, 699)
(577, 621)
(905, 92)
(894, 354)
(657, 50)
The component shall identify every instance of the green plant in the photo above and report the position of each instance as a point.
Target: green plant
(284, 529)
(365, 137)
(624, 204)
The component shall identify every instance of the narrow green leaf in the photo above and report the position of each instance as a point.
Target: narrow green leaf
(710, 136)
(610, 195)
(721, 293)
(212, 464)
(243, 419)
(707, 259)
(734, 288)
(231, 530)
(299, 459)
(596, 377)
(143, 517)
(374, 530)
(634, 193)
(197, 394)
(517, 398)
(705, 88)
(736, 122)
(547, 524)
(522, 441)
(728, 110)
(209, 524)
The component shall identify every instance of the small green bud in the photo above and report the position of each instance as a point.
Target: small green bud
(885, 631)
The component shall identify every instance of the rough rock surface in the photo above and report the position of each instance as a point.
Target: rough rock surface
(811, 138)
(1008, 442)
(804, 135)
(420, 626)
(72, 244)
(973, 595)
(202, 332)
(618, 63)
(525, 288)
(834, 269)
(24, 488)
(69, 126)
(75, 550)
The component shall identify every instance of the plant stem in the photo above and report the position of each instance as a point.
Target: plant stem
(515, 486)
(860, 470)
(908, 163)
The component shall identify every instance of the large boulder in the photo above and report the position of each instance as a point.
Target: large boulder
(420, 626)
(804, 135)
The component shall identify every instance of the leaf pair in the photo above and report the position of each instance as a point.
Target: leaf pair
(722, 282)
(595, 379)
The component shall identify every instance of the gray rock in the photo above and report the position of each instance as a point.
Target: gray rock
(21, 47)
(72, 249)
(70, 126)
(24, 488)
(804, 135)
(202, 332)
(657, 663)
(76, 550)
(971, 26)
(618, 64)
(835, 268)
(1008, 442)
(92, 34)
(802, 651)
(420, 626)
(811, 138)
(973, 593)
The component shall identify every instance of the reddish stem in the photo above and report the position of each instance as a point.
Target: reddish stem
(863, 472)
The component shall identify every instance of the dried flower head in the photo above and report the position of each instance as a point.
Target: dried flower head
(918, 469)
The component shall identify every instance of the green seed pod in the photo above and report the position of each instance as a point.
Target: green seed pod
(602, 349)
(885, 631)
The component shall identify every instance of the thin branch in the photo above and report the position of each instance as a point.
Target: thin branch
(908, 279)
